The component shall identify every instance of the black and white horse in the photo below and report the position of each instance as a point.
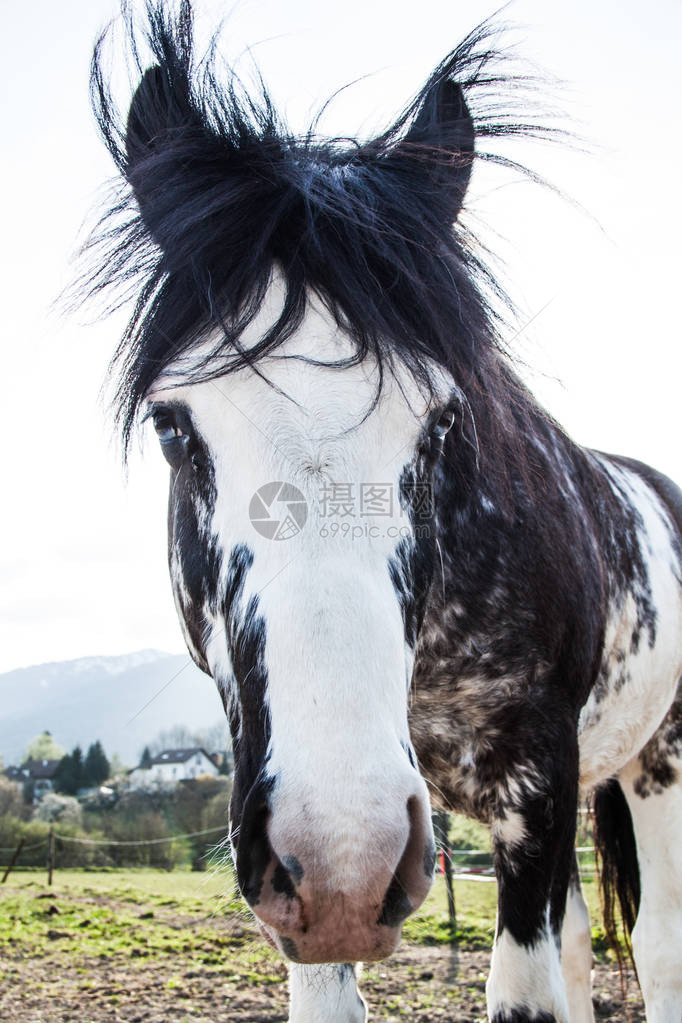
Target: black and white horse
(397, 568)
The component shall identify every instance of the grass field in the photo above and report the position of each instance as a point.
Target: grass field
(100, 910)
(149, 946)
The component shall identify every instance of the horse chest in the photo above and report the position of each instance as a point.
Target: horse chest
(461, 722)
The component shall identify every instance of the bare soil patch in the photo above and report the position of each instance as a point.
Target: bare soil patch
(190, 985)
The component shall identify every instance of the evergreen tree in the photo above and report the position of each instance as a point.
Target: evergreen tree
(78, 772)
(96, 767)
(69, 776)
(146, 758)
(63, 776)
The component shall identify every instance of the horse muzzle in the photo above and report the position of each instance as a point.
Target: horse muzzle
(338, 889)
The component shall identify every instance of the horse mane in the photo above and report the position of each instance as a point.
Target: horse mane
(215, 192)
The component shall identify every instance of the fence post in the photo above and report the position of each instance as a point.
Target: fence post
(13, 860)
(50, 855)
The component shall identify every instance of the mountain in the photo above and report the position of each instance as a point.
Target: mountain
(122, 701)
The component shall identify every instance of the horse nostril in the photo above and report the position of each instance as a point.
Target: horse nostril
(254, 852)
(397, 906)
(413, 876)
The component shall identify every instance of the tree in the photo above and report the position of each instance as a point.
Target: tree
(96, 767)
(69, 776)
(116, 766)
(43, 747)
(177, 737)
(213, 738)
(146, 758)
(64, 809)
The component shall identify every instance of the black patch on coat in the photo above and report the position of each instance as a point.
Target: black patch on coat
(254, 852)
(412, 564)
(250, 718)
(293, 866)
(410, 568)
(289, 948)
(410, 755)
(523, 1015)
(282, 882)
(193, 552)
(660, 759)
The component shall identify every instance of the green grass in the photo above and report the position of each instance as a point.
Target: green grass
(120, 937)
(147, 912)
(133, 912)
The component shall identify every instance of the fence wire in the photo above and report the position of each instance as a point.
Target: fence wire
(458, 875)
(24, 848)
(138, 841)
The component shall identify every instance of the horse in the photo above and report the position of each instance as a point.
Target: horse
(406, 580)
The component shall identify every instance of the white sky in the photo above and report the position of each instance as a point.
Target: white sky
(82, 552)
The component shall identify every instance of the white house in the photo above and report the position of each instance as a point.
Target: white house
(172, 766)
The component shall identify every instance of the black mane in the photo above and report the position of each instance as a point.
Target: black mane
(216, 192)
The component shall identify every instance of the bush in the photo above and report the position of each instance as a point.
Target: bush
(137, 817)
(34, 833)
(197, 805)
(12, 800)
(146, 826)
(468, 834)
(64, 809)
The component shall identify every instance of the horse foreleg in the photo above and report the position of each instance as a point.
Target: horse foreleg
(533, 830)
(325, 993)
(576, 952)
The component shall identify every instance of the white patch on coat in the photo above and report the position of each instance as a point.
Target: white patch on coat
(324, 994)
(618, 721)
(576, 957)
(526, 978)
(656, 938)
(509, 830)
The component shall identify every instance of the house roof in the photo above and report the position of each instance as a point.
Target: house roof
(178, 756)
(33, 769)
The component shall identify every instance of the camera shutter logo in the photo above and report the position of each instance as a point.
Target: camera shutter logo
(278, 511)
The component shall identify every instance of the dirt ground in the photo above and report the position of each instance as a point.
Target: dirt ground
(423, 984)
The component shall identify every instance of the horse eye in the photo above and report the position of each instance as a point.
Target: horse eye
(443, 425)
(166, 430)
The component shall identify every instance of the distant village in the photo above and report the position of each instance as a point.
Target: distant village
(76, 774)
(155, 812)
(81, 776)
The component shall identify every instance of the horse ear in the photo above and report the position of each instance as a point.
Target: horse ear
(444, 128)
(159, 112)
(148, 117)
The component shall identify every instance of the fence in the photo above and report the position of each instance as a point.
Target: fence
(465, 864)
(54, 842)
